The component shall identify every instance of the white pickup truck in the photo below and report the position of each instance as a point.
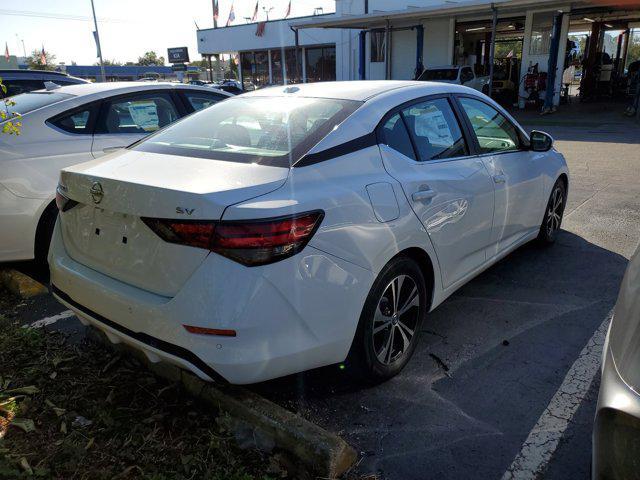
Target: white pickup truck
(460, 75)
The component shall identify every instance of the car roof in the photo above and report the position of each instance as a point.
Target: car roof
(125, 87)
(441, 67)
(29, 72)
(359, 90)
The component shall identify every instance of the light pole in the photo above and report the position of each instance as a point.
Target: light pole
(95, 22)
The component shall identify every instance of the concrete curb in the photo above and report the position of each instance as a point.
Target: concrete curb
(21, 284)
(308, 450)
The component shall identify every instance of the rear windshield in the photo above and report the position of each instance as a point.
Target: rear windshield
(449, 74)
(266, 130)
(27, 102)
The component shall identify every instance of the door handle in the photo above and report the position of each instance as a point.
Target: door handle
(500, 178)
(423, 195)
(112, 149)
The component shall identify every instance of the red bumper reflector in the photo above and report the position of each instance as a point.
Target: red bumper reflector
(210, 331)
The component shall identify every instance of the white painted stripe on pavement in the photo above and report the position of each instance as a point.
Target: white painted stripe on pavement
(49, 320)
(545, 437)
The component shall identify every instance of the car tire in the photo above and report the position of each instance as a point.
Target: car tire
(44, 232)
(390, 322)
(553, 214)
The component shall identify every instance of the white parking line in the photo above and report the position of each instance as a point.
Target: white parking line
(545, 437)
(49, 320)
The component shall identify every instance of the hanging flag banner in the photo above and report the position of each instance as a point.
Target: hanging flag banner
(95, 37)
(232, 16)
(260, 29)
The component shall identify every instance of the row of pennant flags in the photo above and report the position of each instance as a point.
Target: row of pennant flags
(232, 16)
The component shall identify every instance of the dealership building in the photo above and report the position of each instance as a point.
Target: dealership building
(383, 39)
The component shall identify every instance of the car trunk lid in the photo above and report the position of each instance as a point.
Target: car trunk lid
(105, 231)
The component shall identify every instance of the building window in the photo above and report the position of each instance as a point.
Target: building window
(255, 69)
(541, 33)
(276, 67)
(378, 43)
(293, 68)
(320, 63)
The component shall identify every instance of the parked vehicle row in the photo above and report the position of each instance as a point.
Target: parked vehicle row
(22, 81)
(69, 125)
(458, 75)
(294, 227)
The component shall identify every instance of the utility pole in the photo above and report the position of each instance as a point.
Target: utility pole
(95, 22)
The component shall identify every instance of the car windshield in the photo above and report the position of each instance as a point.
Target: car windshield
(27, 102)
(266, 130)
(449, 74)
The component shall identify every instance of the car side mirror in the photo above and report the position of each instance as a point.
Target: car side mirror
(540, 141)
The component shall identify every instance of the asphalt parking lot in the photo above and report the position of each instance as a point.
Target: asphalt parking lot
(502, 356)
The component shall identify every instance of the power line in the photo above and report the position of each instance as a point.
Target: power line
(56, 16)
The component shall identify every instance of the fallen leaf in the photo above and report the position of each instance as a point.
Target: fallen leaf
(57, 410)
(89, 444)
(63, 427)
(25, 466)
(24, 424)
(30, 390)
(53, 375)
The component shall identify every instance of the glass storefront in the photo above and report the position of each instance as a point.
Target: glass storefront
(255, 68)
(320, 65)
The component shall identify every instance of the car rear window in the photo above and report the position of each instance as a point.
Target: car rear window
(27, 102)
(449, 74)
(266, 130)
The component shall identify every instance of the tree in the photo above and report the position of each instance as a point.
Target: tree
(34, 61)
(150, 58)
(10, 120)
(109, 63)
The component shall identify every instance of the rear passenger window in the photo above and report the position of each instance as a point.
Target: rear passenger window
(435, 130)
(200, 100)
(394, 134)
(75, 122)
(140, 113)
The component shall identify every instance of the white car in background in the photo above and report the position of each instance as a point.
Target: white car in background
(295, 227)
(458, 75)
(68, 125)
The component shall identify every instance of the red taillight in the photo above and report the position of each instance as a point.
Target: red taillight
(250, 242)
(62, 202)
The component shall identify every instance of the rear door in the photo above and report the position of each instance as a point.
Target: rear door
(516, 172)
(424, 148)
(128, 118)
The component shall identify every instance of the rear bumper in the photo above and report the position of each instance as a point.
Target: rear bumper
(616, 431)
(290, 316)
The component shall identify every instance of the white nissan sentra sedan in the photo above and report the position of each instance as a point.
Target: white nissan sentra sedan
(66, 125)
(301, 226)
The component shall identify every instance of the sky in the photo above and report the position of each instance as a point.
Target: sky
(128, 28)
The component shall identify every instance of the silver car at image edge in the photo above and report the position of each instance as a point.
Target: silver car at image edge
(616, 433)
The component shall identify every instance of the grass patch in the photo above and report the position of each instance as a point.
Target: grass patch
(82, 412)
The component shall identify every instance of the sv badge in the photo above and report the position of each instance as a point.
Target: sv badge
(182, 211)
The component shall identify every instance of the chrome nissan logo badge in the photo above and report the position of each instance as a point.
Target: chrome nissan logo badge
(96, 192)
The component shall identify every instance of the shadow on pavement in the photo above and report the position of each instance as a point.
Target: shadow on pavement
(508, 338)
